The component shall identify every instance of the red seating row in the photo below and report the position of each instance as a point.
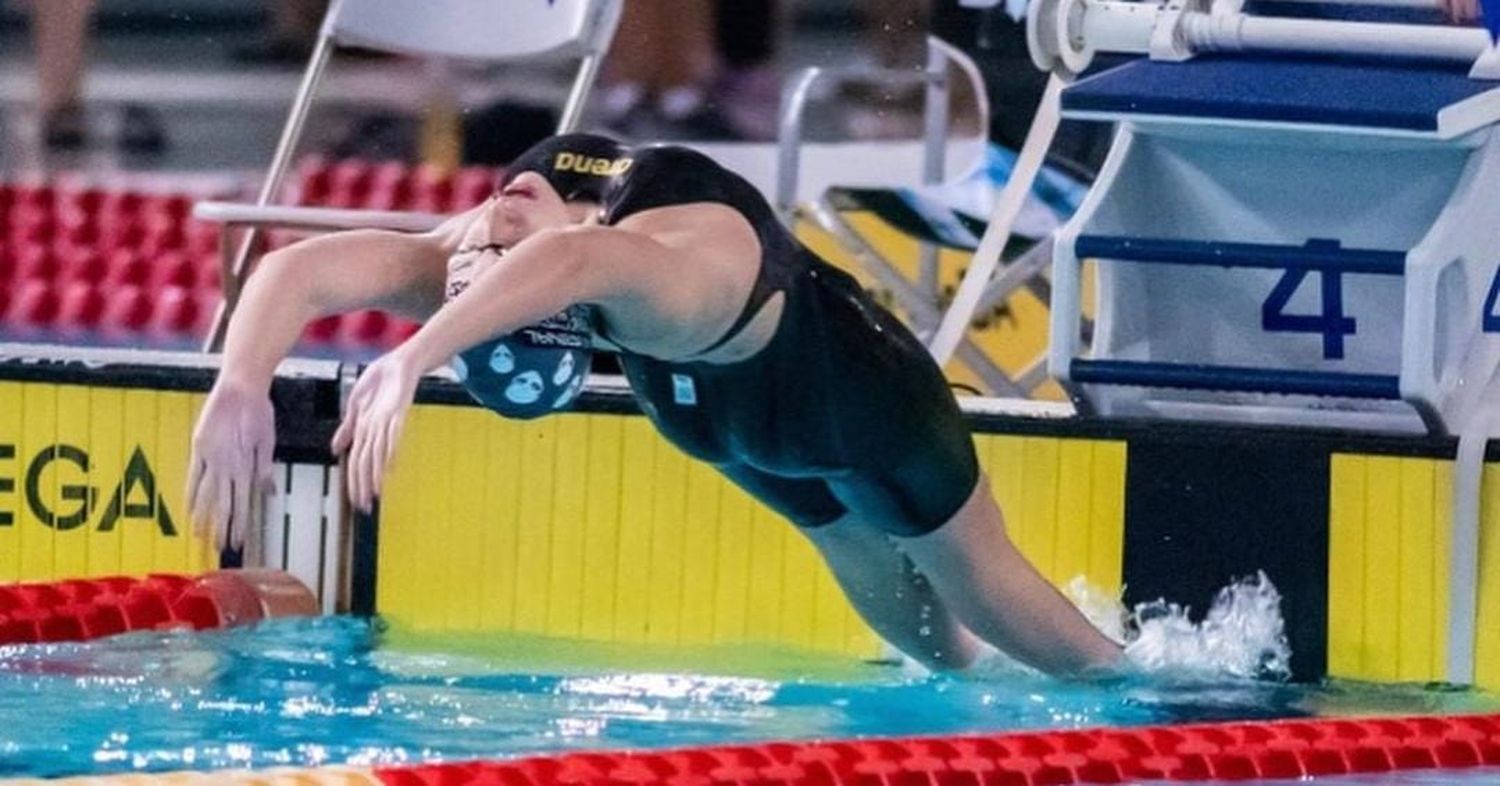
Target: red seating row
(82, 260)
(108, 267)
(118, 311)
(79, 310)
(390, 186)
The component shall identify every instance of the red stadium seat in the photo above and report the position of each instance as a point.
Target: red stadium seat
(81, 264)
(81, 307)
(172, 268)
(120, 206)
(322, 331)
(29, 227)
(434, 190)
(78, 206)
(177, 314)
(34, 305)
(127, 310)
(315, 181)
(37, 263)
(209, 275)
(350, 183)
(162, 236)
(471, 186)
(391, 187)
(399, 331)
(362, 329)
(79, 236)
(37, 196)
(126, 267)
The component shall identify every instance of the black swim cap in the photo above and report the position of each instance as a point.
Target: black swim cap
(579, 166)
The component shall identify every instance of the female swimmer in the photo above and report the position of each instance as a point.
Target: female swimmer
(742, 347)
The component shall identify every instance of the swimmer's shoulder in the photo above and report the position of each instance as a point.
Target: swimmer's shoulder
(667, 175)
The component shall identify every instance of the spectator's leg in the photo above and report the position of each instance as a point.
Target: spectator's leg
(60, 34)
(749, 89)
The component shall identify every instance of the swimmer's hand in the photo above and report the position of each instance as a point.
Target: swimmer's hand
(230, 471)
(1461, 11)
(372, 425)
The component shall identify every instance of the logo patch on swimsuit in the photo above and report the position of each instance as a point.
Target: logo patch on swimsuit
(590, 165)
(684, 392)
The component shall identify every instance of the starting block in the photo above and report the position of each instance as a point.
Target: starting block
(1298, 223)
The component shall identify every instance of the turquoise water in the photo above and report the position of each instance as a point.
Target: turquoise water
(338, 690)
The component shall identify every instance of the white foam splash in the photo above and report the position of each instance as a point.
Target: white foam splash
(1243, 636)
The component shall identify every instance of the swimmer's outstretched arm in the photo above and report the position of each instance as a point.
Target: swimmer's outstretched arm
(235, 434)
(621, 271)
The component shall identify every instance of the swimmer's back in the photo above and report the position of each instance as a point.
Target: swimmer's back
(683, 198)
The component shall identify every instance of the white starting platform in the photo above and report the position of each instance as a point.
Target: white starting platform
(1299, 221)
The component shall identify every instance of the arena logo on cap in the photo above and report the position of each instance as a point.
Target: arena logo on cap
(590, 165)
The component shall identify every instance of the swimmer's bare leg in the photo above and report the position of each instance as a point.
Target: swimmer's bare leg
(993, 590)
(892, 597)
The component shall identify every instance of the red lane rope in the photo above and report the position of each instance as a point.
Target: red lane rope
(81, 609)
(1232, 751)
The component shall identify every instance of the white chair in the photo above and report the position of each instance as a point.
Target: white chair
(474, 30)
(928, 215)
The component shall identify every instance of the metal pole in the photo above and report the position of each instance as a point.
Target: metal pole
(789, 141)
(280, 163)
(935, 136)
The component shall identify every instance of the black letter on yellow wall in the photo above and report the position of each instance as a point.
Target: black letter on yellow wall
(71, 492)
(149, 506)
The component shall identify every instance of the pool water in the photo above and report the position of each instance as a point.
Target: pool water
(342, 690)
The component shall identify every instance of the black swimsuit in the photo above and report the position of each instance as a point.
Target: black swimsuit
(844, 411)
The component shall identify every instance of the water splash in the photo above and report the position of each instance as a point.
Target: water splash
(1242, 636)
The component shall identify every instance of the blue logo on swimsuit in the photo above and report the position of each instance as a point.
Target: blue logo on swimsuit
(683, 390)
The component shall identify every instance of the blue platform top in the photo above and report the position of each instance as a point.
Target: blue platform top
(1347, 12)
(1395, 96)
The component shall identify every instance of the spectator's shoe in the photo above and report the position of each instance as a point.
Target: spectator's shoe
(751, 101)
(625, 112)
(65, 128)
(704, 124)
(142, 131)
(272, 51)
(686, 114)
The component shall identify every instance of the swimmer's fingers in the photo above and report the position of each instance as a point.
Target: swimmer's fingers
(196, 467)
(206, 498)
(359, 398)
(239, 515)
(344, 435)
(343, 445)
(385, 449)
(222, 510)
(265, 470)
(359, 465)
